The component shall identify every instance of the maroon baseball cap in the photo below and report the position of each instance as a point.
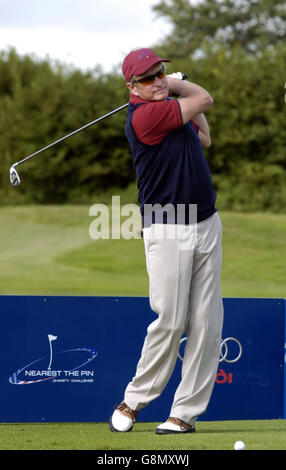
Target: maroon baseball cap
(139, 61)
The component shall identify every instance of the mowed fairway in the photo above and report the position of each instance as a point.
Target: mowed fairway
(47, 250)
(220, 435)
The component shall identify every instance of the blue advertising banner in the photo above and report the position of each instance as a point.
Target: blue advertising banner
(252, 387)
(70, 359)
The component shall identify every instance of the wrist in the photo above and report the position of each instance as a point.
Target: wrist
(175, 85)
(179, 88)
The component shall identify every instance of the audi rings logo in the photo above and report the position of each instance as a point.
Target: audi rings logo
(230, 350)
(225, 354)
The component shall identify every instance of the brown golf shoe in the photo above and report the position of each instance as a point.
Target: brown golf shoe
(175, 426)
(122, 419)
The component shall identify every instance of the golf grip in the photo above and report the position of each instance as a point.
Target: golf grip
(184, 77)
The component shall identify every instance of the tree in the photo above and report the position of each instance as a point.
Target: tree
(254, 24)
(41, 101)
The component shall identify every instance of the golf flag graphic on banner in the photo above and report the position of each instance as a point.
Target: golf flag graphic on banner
(51, 338)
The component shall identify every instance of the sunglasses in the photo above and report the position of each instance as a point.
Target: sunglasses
(151, 78)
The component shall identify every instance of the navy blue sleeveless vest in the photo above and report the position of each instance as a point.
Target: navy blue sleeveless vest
(173, 172)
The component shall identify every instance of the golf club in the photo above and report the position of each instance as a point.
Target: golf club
(14, 175)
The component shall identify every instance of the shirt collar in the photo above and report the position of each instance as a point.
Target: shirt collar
(134, 99)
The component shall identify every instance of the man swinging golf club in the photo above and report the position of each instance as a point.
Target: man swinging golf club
(166, 137)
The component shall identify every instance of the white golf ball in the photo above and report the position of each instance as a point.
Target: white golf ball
(239, 445)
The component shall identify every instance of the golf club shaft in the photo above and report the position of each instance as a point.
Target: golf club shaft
(72, 133)
(14, 176)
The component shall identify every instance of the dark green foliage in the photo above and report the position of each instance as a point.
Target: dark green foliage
(254, 24)
(41, 102)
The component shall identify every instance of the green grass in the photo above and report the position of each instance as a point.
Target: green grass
(254, 255)
(47, 250)
(257, 435)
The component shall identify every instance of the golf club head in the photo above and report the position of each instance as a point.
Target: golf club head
(14, 177)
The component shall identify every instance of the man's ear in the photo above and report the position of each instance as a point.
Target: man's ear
(132, 88)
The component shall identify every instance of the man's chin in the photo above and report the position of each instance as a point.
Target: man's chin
(160, 95)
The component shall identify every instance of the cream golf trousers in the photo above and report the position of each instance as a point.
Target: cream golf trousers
(184, 290)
